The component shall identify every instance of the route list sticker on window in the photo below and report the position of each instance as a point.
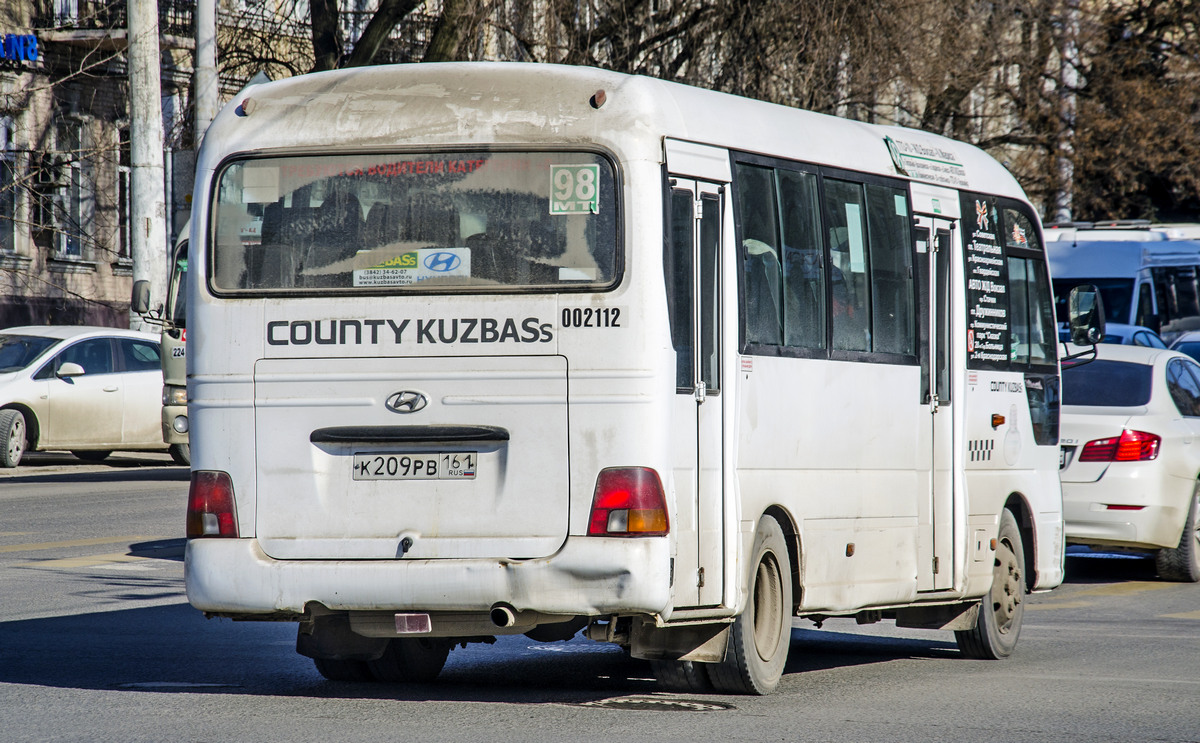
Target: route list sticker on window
(574, 189)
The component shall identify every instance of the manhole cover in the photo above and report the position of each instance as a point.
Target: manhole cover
(655, 704)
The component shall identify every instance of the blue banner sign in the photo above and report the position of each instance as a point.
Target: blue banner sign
(19, 48)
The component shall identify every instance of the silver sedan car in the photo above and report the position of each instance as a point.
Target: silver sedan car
(86, 390)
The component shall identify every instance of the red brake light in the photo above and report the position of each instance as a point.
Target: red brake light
(1130, 446)
(629, 501)
(211, 511)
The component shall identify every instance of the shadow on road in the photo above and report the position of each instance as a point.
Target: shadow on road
(174, 649)
(1108, 567)
(155, 473)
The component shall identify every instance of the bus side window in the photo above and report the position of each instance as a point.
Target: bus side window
(849, 270)
(892, 291)
(763, 271)
(803, 260)
(677, 269)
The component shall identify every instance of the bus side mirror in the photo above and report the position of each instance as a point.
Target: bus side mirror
(1086, 310)
(140, 301)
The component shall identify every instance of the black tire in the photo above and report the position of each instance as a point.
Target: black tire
(416, 661)
(1182, 563)
(681, 675)
(13, 437)
(92, 456)
(181, 454)
(353, 671)
(761, 634)
(1001, 611)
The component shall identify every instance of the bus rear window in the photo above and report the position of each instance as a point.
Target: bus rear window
(1102, 383)
(462, 221)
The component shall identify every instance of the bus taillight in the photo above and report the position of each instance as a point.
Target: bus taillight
(211, 511)
(629, 501)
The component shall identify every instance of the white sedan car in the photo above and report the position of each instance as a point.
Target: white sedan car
(87, 390)
(1130, 438)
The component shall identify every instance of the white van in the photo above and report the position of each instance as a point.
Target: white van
(1144, 278)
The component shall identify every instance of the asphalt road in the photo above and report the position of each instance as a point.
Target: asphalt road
(97, 643)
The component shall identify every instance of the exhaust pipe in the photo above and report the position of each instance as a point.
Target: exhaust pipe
(503, 615)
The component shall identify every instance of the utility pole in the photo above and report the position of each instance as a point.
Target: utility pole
(148, 188)
(1068, 84)
(205, 83)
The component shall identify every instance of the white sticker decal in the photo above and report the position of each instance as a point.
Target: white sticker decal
(417, 265)
(574, 189)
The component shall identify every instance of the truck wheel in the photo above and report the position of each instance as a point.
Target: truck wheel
(1182, 563)
(999, 624)
(761, 634)
(408, 660)
(12, 437)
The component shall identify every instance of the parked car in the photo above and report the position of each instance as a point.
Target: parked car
(1122, 335)
(1130, 455)
(86, 390)
(1188, 343)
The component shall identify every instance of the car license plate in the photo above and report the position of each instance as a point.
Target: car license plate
(455, 465)
(1064, 456)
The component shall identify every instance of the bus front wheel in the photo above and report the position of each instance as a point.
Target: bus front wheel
(995, 633)
(761, 634)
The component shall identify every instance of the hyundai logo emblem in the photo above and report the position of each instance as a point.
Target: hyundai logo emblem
(406, 401)
(442, 262)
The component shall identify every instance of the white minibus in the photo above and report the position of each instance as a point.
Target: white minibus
(542, 350)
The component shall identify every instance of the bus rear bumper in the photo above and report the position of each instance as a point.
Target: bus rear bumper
(589, 576)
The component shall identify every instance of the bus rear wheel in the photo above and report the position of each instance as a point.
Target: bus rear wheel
(761, 634)
(410, 660)
(995, 633)
(681, 675)
(353, 671)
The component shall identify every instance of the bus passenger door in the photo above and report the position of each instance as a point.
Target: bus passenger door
(935, 517)
(692, 273)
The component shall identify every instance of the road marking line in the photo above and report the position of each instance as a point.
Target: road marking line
(75, 543)
(1184, 615)
(1123, 589)
(88, 561)
(1059, 605)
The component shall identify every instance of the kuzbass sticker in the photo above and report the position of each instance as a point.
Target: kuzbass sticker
(415, 266)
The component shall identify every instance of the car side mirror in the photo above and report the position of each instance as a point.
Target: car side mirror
(69, 369)
(1086, 310)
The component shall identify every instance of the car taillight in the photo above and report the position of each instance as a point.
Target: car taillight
(629, 501)
(1130, 446)
(211, 511)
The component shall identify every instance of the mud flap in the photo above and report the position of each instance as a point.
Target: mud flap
(329, 637)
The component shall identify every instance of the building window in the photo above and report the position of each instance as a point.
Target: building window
(8, 188)
(69, 195)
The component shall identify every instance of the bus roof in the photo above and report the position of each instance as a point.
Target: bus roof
(490, 103)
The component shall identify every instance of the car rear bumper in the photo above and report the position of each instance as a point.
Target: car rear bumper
(590, 576)
(1127, 512)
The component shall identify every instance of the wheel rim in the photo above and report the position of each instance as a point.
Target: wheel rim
(768, 607)
(1006, 587)
(16, 438)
